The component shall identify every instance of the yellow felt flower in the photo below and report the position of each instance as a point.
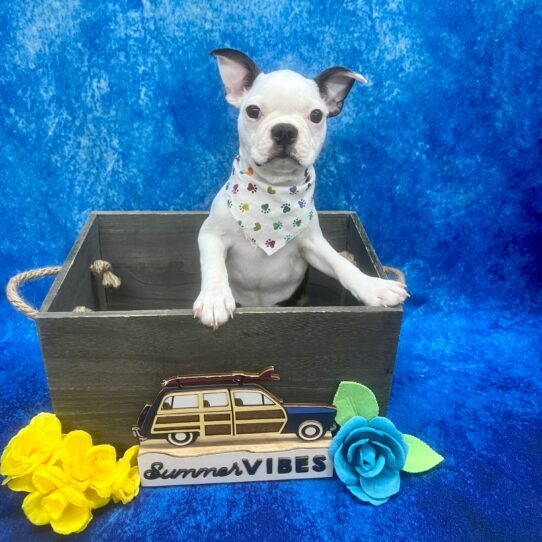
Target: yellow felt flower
(57, 501)
(33, 446)
(93, 466)
(126, 484)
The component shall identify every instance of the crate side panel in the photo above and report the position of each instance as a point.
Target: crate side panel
(156, 256)
(321, 289)
(78, 287)
(101, 370)
(334, 227)
(359, 245)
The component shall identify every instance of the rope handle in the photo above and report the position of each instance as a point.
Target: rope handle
(12, 288)
(101, 270)
(397, 274)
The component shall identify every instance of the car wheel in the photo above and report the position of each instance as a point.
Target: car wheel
(310, 430)
(182, 439)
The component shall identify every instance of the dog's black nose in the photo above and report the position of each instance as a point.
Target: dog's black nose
(284, 134)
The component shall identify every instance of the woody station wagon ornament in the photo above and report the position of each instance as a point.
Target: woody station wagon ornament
(188, 407)
(244, 432)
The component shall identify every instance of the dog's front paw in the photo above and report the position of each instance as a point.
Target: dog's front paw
(377, 292)
(214, 307)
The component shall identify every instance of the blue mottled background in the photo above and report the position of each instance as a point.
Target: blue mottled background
(117, 105)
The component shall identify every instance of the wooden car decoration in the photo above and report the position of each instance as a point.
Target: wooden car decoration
(229, 406)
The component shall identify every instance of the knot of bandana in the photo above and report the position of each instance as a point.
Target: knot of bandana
(270, 216)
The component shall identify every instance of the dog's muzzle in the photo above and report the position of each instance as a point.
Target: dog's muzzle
(284, 134)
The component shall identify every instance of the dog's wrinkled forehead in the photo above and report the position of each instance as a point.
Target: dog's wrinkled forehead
(284, 91)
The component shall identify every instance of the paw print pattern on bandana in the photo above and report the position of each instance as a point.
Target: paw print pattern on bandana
(270, 216)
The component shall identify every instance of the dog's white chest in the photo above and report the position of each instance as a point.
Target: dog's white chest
(257, 279)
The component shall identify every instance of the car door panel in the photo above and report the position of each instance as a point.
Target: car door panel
(217, 413)
(178, 412)
(256, 413)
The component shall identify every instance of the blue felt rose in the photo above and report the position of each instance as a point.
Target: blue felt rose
(368, 456)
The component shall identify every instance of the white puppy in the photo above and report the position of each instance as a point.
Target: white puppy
(263, 230)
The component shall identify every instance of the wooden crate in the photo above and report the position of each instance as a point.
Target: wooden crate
(102, 366)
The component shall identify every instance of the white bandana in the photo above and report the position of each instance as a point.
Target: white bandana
(271, 216)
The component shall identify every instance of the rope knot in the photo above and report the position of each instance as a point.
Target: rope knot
(102, 270)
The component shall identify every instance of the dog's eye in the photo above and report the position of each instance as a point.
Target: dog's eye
(316, 116)
(253, 111)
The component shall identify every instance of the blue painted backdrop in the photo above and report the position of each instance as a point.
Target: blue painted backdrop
(117, 105)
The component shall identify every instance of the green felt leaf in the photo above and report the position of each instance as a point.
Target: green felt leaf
(353, 399)
(421, 457)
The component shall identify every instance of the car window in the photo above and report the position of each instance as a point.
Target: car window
(215, 399)
(251, 398)
(174, 402)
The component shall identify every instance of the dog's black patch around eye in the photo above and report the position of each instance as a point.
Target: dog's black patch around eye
(253, 111)
(316, 116)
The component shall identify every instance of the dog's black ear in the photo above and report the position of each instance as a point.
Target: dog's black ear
(335, 84)
(238, 72)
